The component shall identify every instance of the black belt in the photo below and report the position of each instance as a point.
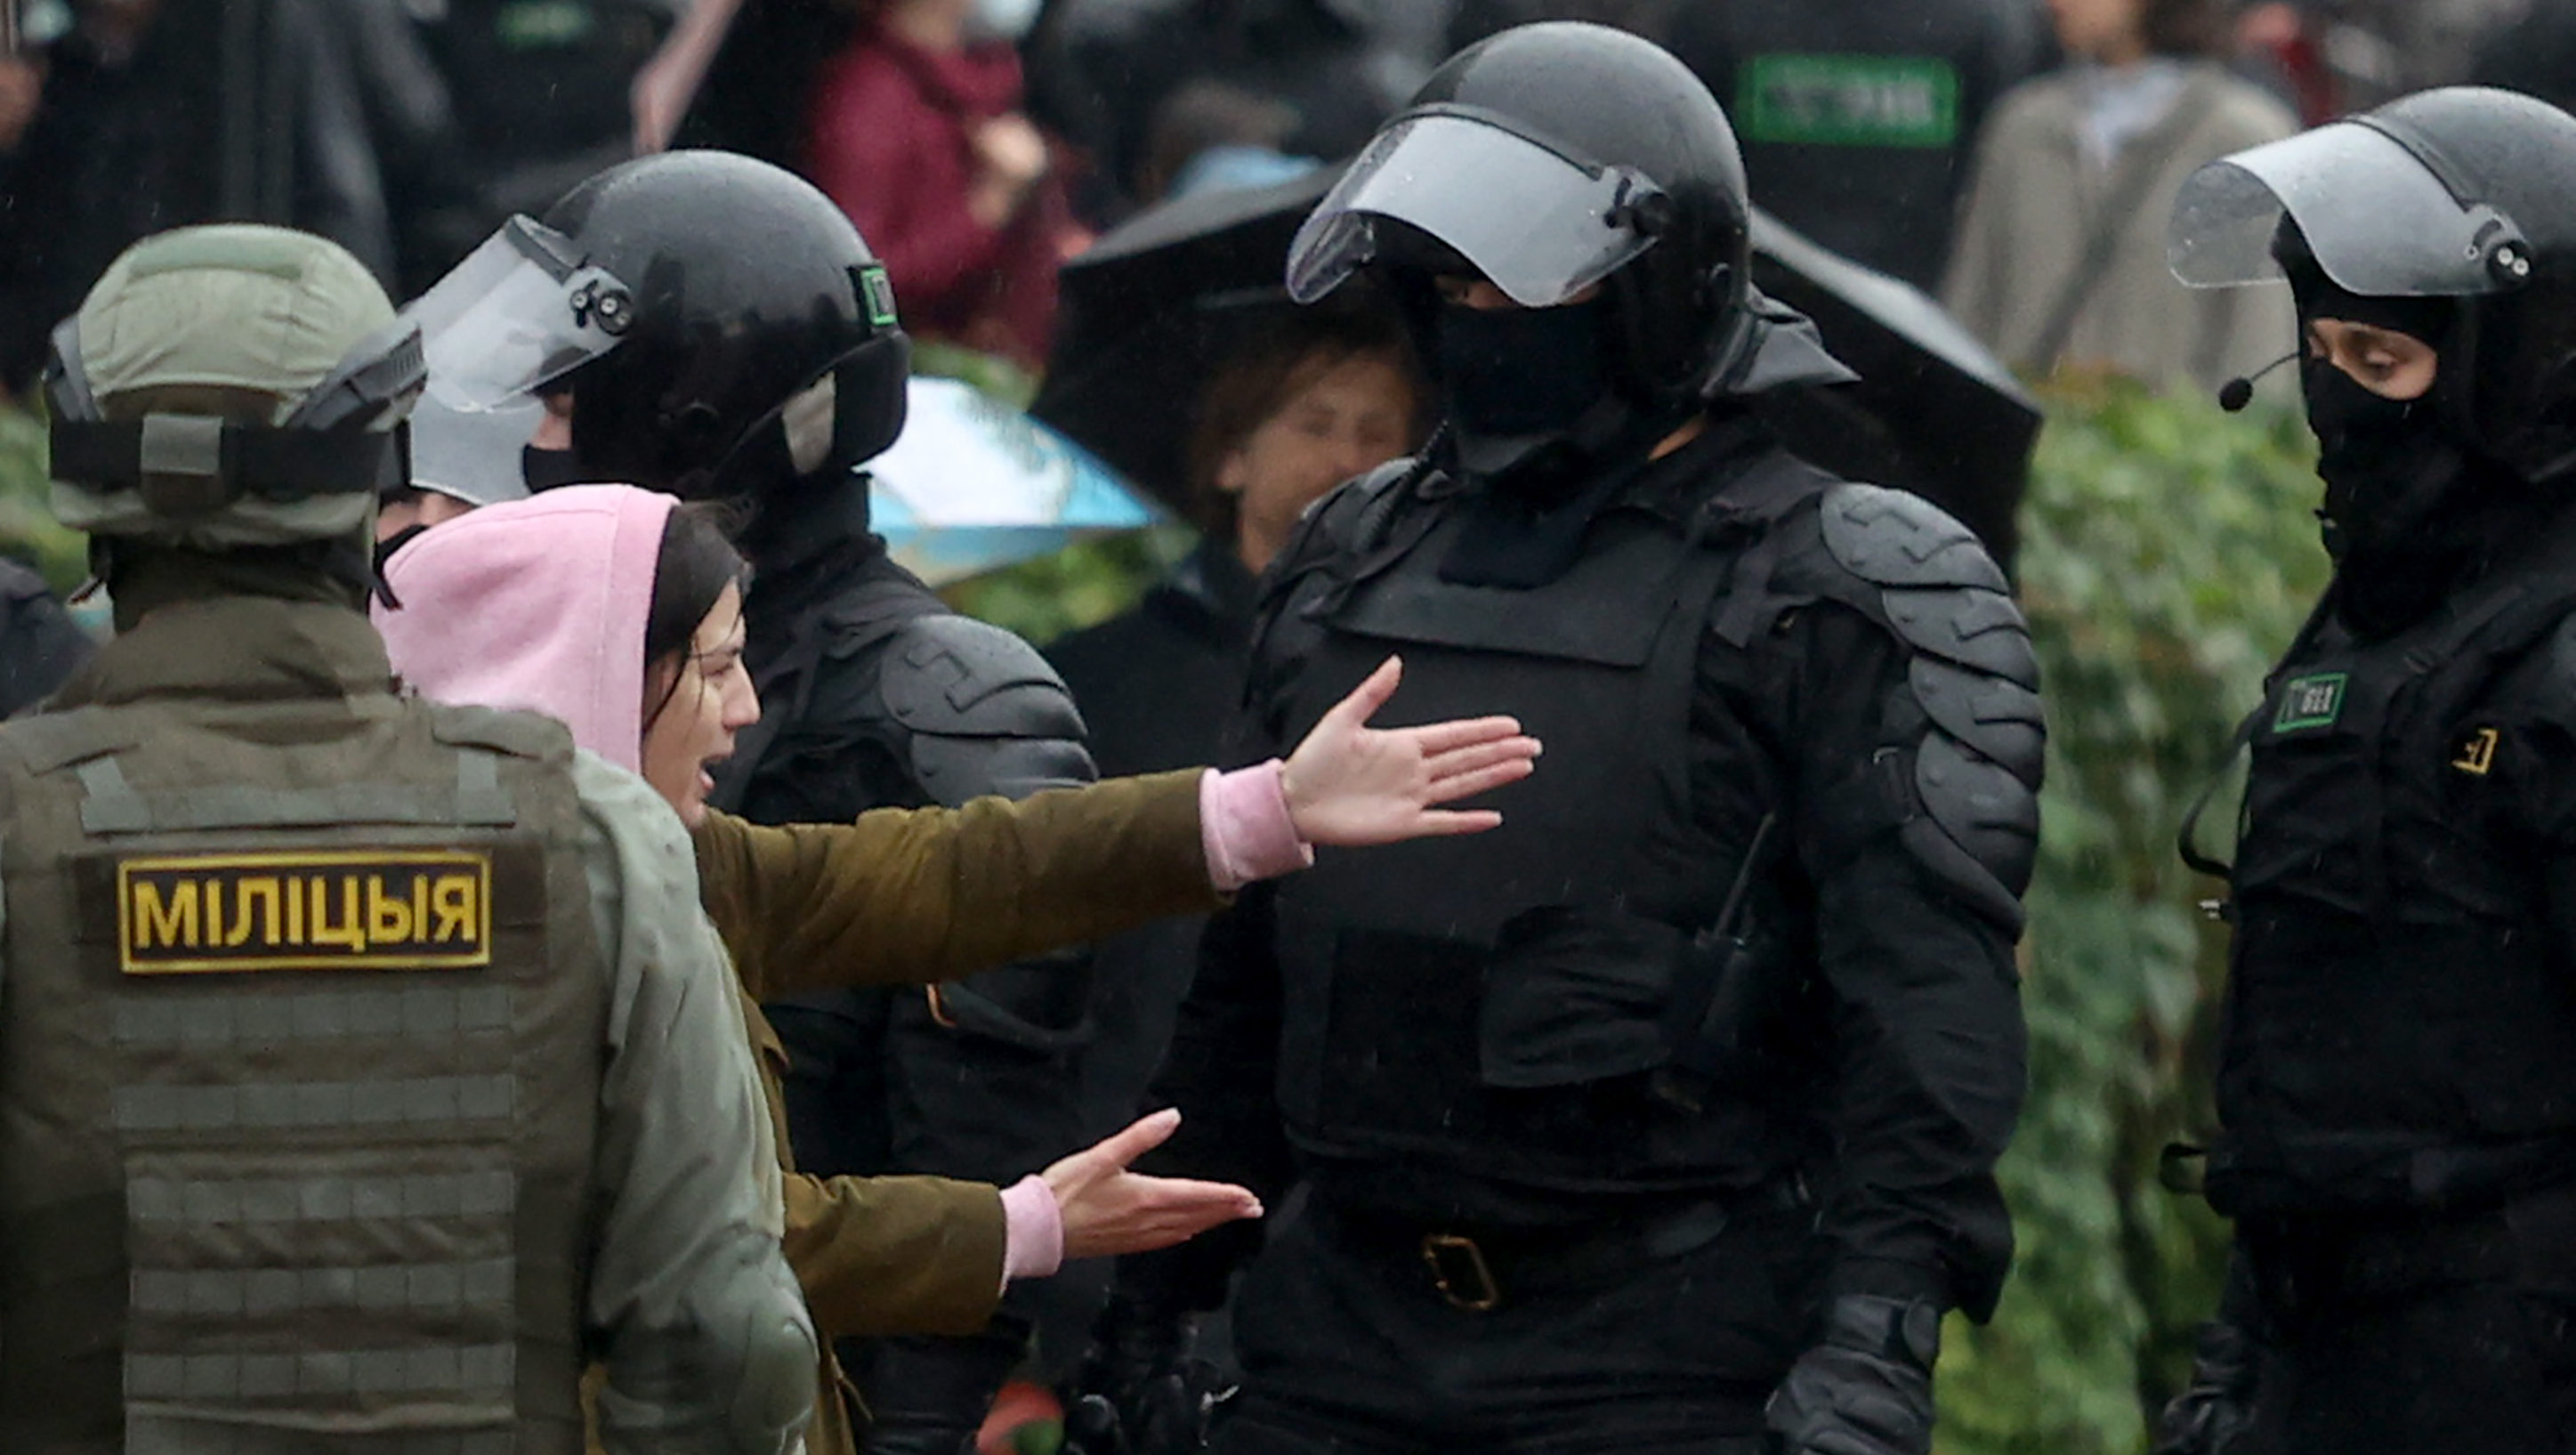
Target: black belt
(1476, 1269)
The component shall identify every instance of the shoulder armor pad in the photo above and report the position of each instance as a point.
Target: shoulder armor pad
(985, 713)
(1975, 675)
(1979, 629)
(519, 734)
(1984, 826)
(1893, 539)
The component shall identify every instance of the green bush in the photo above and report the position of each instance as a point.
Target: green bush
(27, 528)
(2168, 554)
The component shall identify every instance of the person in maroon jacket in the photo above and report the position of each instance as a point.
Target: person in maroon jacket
(916, 132)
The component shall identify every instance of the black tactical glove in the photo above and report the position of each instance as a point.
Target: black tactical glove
(2215, 1414)
(929, 1396)
(1866, 1386)
(1140, 1390)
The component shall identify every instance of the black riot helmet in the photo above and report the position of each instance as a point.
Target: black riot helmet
(2462, 193)
(1549, 158)
(722, 327)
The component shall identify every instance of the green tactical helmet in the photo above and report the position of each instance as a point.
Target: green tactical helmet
(230, 386)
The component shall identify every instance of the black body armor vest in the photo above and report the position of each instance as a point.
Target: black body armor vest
(2401, 1019)
(1493, 1011)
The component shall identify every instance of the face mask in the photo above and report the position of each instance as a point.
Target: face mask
(1518, 372)
(546, 469)
(2388, 465)
(1001, 20)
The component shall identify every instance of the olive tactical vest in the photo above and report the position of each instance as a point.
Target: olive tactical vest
(300, 1061)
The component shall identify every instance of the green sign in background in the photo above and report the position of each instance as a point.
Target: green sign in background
(1850, 100)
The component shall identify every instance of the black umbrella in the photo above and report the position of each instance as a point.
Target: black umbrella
(1153, 306)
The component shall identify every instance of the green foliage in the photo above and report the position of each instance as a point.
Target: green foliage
(1088, 582)
(27, 527)
(2168, 554)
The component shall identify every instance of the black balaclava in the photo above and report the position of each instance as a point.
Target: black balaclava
(1534, 418)
(546, 469)
(2411, 509)
(1512, 373)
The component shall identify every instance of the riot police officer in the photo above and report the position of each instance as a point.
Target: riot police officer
(366, 1067)
(1678, 1097)
(2396, 1087)
(720, 330)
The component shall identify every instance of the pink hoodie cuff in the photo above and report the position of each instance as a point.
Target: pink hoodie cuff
(1033, 1230)
(1245, 827)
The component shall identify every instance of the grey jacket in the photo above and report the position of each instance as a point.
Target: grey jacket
(2036, 197)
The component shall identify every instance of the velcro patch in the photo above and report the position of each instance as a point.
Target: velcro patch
(2313, 701)
(362, 909)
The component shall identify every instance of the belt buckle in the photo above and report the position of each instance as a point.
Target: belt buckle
(1449, 1254)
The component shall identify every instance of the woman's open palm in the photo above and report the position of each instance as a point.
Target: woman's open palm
(1350, 784)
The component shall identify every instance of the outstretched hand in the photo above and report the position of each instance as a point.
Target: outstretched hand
(1351, 785)
(1109, 1210)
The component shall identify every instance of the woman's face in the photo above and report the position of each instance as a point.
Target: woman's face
(2101, 30)
(1354, 415)
(704, 697)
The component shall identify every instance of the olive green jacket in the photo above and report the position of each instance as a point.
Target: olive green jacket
(909, 897)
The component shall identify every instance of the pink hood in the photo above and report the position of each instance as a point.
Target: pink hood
(537, 604)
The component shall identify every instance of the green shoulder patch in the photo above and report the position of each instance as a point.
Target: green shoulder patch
(2313, 701)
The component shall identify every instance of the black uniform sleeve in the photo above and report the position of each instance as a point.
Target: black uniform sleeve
(1928, 1056)
(1901, 701)
(981, 1078)
(1220, 1071)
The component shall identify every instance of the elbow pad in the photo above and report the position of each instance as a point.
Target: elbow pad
(731, 1368)
(1968, 796)
(775, 1388)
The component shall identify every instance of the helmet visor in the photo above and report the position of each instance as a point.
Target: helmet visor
(2379, 221)
(516, 315)
(476, 456)
(1540, 226)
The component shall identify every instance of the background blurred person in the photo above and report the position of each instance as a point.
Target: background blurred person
(540, 90)
(141, 119)
(1320, 397)
(916, 132)
(1211, 136)
(1111, 68)
(1858, 118)
(2060, 252)
(2535, 55)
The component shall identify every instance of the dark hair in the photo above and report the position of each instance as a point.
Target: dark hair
(696, 563)
(1258, 379)
(2186, 27)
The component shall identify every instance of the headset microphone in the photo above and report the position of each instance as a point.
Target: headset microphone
(2236, 393)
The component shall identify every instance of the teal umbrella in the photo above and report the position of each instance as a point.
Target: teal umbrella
(973, 485)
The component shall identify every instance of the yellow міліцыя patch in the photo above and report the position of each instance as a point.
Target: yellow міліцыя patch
(358, 909)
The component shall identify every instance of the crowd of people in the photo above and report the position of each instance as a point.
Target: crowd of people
(571, 940)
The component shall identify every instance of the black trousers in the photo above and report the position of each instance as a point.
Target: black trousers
(2426, 1336)
(1348, 1346)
